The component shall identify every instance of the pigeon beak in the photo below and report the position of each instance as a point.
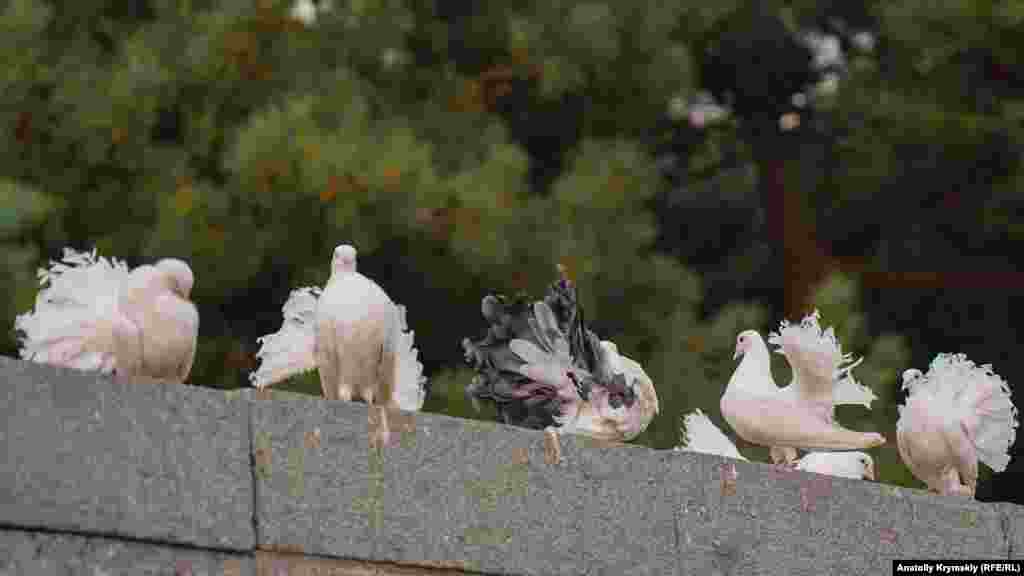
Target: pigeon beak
(869, 473)
(736, 354)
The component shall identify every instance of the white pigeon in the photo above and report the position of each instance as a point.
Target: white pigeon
(94, 314)
(701, 435)
(763, 414)
(821, 372)
(955, 415)
(354, 335)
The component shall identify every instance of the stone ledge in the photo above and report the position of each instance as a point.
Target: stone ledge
(172, 463)
(147, 460)
(481, 497)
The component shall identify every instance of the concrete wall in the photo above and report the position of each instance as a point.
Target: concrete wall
(102, 477)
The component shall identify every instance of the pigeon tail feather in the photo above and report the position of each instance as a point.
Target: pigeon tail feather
(410, 383)
(498, 378)
(847, 391)
(701, 435)
(819, 350)
(73, 321)
(981, 401)
(290, 350)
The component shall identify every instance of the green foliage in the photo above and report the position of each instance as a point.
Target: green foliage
(23, 206)
(251, 144)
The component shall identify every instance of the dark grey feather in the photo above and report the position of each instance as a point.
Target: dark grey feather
(555, 325)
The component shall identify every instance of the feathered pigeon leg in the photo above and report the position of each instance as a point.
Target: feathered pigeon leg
(380, 431)
(952, 485)
(552, 447)
(966, 462)
(785, 455)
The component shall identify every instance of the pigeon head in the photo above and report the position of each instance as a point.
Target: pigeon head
(909, 376)
(746, 341)
(344, 259)
(178, 274)
(853, 464)
(620, 393)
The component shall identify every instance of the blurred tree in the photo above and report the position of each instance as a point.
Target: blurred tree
(460, 154)
(468, 147)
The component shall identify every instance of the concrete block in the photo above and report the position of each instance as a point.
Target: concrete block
(557, 507)
(463, 494)
(46, 554)
(313, 474)
(753, 518)
(148, 460)
(455, 492)
(870, 526)
(953, 527)
(759, 519)
(630, 521)
(440, 494)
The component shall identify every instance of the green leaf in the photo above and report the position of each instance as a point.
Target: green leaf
(22, 205)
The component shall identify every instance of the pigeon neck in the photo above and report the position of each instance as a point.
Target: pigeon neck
(340, 270)
(754, 367)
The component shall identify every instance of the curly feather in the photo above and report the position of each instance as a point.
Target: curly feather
(701, 435)
(541, 367)
(290, 350)
(975, 396)
(410, 383)
(818, 355)
(70, 324)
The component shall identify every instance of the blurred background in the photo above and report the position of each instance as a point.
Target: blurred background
(700, 168)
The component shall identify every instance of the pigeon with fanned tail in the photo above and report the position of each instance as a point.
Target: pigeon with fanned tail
(762, 413)
(354, 335)
(955, 415)
(93, 313)
(544, 369)
(701, 435)
(822, 374)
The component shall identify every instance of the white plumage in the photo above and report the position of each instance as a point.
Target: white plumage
(820, 369)
(701, 435)
(290, 350)
(354, 335)
(955, 415)
(93, 313)
(411, 391)
(853, 464)
(800, 417)
(822, 374)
